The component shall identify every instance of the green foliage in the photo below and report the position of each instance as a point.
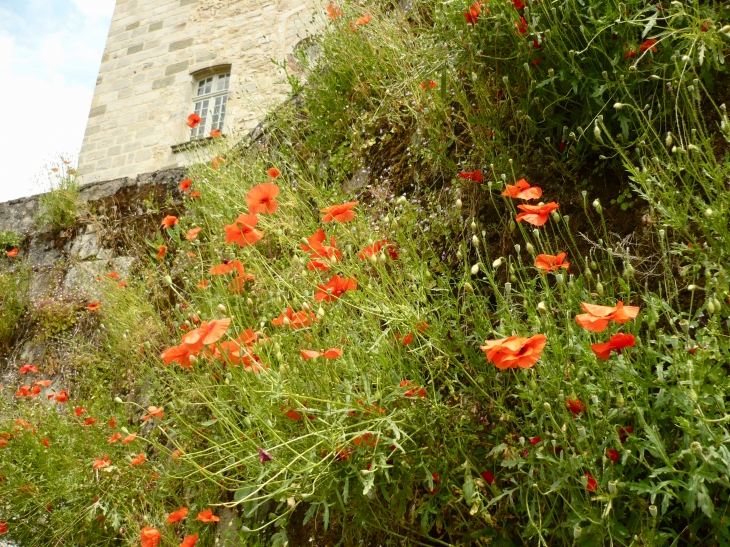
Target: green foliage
(9, 239)
(59, 208)
(13, 301)
(56, 315)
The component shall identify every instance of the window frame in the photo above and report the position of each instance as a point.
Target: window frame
(209, 104)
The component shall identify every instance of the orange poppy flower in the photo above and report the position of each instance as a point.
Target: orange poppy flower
(476, 176)
(12, 252)
(113, 275)
(522, 190)
(207, 516)
(192, 233)
(228, 267)
(431, 84)
(94, 306)
(617, 342)
(472, 14)
(514, 352)
(195, 194)
(149, 537)
(262, 198)
(102, 462)
(179, 354)
(207, 333)
(648, 45)
(113, 422)
(332, 353)
(45, 441)
(168, 222)
(296, 320)
(407, 339)
(43, 383)
(194, 121)
(243, 231)
(598, 317)
(334, 288)
(129, 438)
(61, 397)
(333, 12)
(138, 460)
(216, 162)
(162, 250)
(339, 213)
(79, 410)
(273, 173)
(90, 421)
(176, 454)
(215, 133)
(318, 265)
(537, 215)
(177, 516)
(114, 438)
(550, 263)
(375, 248)
(364, 20)
(27, 368)
(153, 412)
(413, 389)
(318, 248)
(190, 541)
(185, 185)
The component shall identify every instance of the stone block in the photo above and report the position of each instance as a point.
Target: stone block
(181, 44)
(157, 25)
(177, 68)
(187, 2)
(132, 26)
(97, 111)
(135, 49)
(163, 82)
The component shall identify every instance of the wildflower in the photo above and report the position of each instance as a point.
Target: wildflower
(535, 440)
(292, 414)
(190, 541)
(264, 456)
(472, 14)
(522, 190)
(113, 423)
(194, 121)
(3, 527)
(207, 333)
(149, 536)
(648, 45)
(624, 432)
(430, 85)
(576, 406)
(94, 306)
(195, 194)
(262, 198)
(12, 252)
(318, 248)
(334, 288)
(475, 176)
(550, 263)
(518, 4)
(60, 397)
(138, 460)
(43, 383)
(705, 26)
(407, 339)
(179, 354)
(339, 213)
(228, 267)
(617, 342)
(153, 412)
(376, 247)
(79, 410)
(217, 161)
(192, 234)
(90, 421)
(113, 275)
(215, 133)
(332, 353)
(129, 438)
(162, 250)
(243, 231)
(436, 481)
(537, 215)
(413, 389)
(612, 455)
(333, 12)
(522, 26)
(630, 52)
(273, 173)
(27, 368)
(114, 438)
(46, 442)
(168, 222)
(296, 320)
(488, 476)
(102, 462)
(598, 317)
(364, 20)
(591, 484)
(514, 352)
(176, 454)
(185, 185)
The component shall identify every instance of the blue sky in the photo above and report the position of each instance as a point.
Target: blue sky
(50, 51)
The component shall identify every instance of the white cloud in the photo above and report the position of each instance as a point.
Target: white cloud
(48, 82)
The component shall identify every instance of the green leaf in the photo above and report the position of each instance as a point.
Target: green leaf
(649, 25)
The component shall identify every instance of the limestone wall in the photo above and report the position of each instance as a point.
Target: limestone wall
(144, 90)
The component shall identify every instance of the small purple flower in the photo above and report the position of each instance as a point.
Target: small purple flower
(264, 456)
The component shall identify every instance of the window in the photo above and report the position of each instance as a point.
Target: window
(209, 97)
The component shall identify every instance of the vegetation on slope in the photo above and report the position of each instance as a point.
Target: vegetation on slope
(419, 423)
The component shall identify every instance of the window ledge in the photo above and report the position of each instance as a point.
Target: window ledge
(191, 145)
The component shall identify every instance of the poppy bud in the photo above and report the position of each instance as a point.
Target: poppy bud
(618, 106)
(505, 79)
(620, 400)
(468, 288)
(320, 311)
(724, 30)
(599, 288)
(547, 407)
(597, 133)
(475, 269)
(221, 308)
(653, 510)
(474, 240)
(118, 400)
(518, 248)
(597, 205)
(459, 254)
(696, 447)
(401, 200)
(710, 306)
(668, 140)
(249, 302)
(458, 204)
(559, 279)
(512, 226)
(193, 360)
(279, 356)
(708, 212)
(612, 486)
(373, 258)
(473, 226)
(555, 216)
(507, 288)
(147, 346)
(168, 280)
(286, 321)
(530, 248)
(541, 307)
(383, 258)
(497, 263)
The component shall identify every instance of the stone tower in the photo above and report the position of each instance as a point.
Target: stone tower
(165, 59)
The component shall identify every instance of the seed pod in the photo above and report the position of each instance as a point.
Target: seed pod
(530, 248)
(249, 302)
(468, 288)
(474, 240)
(221, 308)
(497, 263)
(668, 140)
(168, 280)
(542, 308)
(599, 288)
(612, 487)
(653, 511)
(458, 204)
(475, 269)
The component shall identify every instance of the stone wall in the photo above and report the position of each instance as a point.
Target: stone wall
(145, 86)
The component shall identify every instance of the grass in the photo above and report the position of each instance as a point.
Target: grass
(413, 436)
(60, 206)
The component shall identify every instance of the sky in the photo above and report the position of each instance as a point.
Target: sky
(50, 52)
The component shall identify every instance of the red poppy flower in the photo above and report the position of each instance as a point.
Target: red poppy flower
(185, 185)
(612, 455)
(617, 342)
(476, 176)
(413, 389)
(407, 339)
(190, 541)
(61, 397)
(138, 460)
(129, 438)
(153, 412)
(535, 440)
(334, 288)
(339, 213)
(332, 353)
(90, 421)
(514, 352)
(195, 194)
(550, 263)
(207, 516)
(598, 317)
(168, 222)
(102, 462)
(27, 368)
(705, 26)
(176, 454)
(215, 133)
(522, 26)
(318, 248)
(436, 480)
(94, 306)
(472, 14)
(364, 20)
(333, 12)
(12, 252)
(518, 4)
(591, 485)
(216, 162)
(522, 190)
(207, 333)
(3, 527)
(114, 438)
(488, 476)
(624, 432)
(194, 121)
(296, 320)
(273, 173)
(262, 198)
(45, 441)
(113, 423)
(630, 52)
(576, 406)
(113, 275)
(431, 84)
(243, 231)
(192, 233)
(162, 250)
(375, 248)
(149, 537)
(648, 44)
(79, 410)
(179, 354)
(537, 215)
(43, 383)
